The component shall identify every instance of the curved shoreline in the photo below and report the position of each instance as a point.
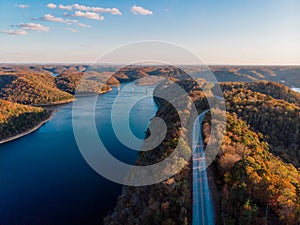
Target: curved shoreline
(35, 128)
(39, 125)
(56, 103)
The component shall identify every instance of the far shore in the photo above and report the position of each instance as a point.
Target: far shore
(87, 94)
(35, 128)
(56, 103)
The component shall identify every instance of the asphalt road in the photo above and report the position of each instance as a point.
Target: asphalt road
(203, 210)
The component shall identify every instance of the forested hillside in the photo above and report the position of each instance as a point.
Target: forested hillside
(91, 83)
(278, 120)
(273, 89)
(255, 187)
(31, 89)
(16, 118)
(249, 183)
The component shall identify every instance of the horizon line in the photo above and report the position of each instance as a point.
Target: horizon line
(121, 64)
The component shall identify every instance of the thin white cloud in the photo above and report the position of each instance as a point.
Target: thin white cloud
(73, 30)
(65, 7)
(22, 6)
(51, 6)
(83, 25)
(140, 10)
(88, 15)
(33, 26)
(14, 32)
(71, 21)
(113, 11)
(50, 17)
(82, 7)
(76, 23)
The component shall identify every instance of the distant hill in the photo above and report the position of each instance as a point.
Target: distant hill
(286, 74)
(68, 81)
(16, 118)
(31, 89)
(290, 75)
(131, 73)
(91, 83)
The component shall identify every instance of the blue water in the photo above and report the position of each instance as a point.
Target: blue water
(296, 89)
(45, 180)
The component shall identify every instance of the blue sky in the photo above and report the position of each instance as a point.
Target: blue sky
(219, 31)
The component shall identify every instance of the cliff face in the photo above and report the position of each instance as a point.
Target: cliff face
(249, 183)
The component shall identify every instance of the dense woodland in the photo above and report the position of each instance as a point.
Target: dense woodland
(16, 118)
(278, 120)
(255, 187)
(31, 89)
(256, 169)
(253, 179)
(273, 89)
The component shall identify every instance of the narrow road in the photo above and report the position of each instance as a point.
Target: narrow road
(203, 210)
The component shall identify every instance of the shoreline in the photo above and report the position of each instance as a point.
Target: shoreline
(35, 128)
(106, 91)
(39, 125)
(55, 103)
(296, 89)
(82, 94)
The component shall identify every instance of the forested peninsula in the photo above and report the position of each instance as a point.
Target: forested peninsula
(28, 95)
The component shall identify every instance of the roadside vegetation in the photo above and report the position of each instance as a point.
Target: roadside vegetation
(254, 179)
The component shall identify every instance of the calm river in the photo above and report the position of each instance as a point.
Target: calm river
(45, 180)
